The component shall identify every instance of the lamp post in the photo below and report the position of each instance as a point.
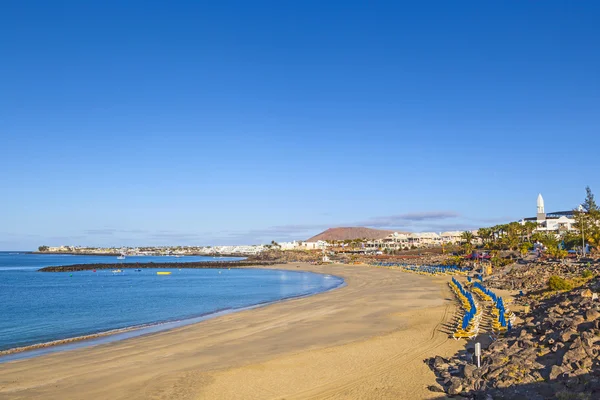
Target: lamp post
(582, 239)
(582, 232)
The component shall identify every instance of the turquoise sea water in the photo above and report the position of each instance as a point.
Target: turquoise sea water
(39, 307)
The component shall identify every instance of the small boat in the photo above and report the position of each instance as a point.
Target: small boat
(93, 270)
(137, 270)
(116, 271)
(121, 257)
(163, 273)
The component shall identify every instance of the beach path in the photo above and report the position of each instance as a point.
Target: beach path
(366, 340)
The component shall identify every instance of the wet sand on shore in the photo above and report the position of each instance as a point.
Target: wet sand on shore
(366, 340)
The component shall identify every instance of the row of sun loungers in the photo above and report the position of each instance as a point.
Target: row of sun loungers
(469, 327)
(503, 318)
(431, 270)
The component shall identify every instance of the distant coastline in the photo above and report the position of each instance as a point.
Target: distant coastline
(72, 253)
(78, 253)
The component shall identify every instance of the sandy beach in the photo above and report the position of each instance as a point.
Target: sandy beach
(366, 340)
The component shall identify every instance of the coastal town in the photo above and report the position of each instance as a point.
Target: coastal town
(367, 241)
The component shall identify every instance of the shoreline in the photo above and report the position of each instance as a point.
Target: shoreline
(367, 339)
(112, 335)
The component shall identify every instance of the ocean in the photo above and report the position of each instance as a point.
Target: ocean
(39, 307)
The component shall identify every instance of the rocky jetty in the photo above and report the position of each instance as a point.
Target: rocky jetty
(553, 354)
(203, 264)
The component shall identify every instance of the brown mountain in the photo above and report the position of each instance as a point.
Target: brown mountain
(350, 234)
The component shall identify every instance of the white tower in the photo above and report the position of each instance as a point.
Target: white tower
(541, 214)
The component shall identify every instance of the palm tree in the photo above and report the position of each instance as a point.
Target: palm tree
(528, 228)
(485, 234)
(513, 235)
(467, 236)
(496, 230)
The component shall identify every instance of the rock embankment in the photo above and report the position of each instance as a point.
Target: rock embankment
(534, 275)
(288, 256)
(171, 265)
(552, 354)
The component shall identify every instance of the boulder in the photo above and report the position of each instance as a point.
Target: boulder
(469, 371)
(567, 335)
(586, 293)
(555, 372)
(591, 315)
(574, 355)
(434, 388)
(455, 386)
(437, 361)
(557, 347)
(494, 373)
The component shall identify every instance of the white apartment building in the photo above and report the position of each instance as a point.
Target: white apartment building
(451, 237)
(398, 241)
(289, 245)
(318, 245)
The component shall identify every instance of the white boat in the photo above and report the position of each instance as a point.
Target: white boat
(116, 271)
(121, 257)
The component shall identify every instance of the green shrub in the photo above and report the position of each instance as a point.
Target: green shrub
(587, 274)
(557, 283)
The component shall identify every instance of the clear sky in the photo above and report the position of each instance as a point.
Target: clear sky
(191, 122)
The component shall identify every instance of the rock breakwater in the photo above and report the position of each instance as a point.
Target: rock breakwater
(166, 265)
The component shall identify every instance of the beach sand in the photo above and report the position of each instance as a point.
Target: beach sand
(366, 340)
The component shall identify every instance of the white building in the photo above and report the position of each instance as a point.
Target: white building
(426, 239)
(233, 249)
(451, 237)
(555, 222)
(318, 245)
(399, 241)
(289, 245)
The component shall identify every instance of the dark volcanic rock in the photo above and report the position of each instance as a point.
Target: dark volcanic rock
(204, 264)
(554, 354)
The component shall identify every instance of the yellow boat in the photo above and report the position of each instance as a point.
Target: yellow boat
(163, 273)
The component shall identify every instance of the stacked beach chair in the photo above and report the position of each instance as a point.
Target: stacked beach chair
(503, 318)
(483, 293)
(469, 326)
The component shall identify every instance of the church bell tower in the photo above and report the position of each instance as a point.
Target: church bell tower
(541, 213)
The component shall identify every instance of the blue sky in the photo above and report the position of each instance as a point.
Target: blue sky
(242, 122)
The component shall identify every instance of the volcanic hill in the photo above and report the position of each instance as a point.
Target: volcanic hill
(351, 233)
